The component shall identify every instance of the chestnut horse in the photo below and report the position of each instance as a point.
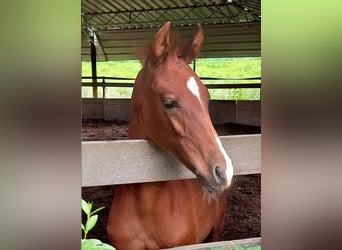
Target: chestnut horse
(170, 110)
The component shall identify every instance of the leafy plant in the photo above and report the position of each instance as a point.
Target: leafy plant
(94, 244)
(236, 247)
(91, 217)
(254, 248)
(239, 247)
(91, 244)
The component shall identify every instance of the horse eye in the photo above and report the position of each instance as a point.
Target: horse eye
(170, 104)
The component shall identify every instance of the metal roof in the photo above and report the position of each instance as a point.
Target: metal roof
(232, 27)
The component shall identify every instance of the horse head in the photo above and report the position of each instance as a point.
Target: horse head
(170, 109)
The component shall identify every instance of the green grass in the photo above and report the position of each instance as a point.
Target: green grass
(127, 68)
(221, 68)
(229, 67)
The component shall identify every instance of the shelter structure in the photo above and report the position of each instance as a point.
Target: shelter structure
(117, 28)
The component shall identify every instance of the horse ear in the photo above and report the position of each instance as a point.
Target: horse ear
(161, 42)
(192, 49)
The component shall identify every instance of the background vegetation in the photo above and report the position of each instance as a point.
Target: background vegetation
(246, 67)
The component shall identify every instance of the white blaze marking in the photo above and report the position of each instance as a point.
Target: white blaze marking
(193, 87)
(229, 165)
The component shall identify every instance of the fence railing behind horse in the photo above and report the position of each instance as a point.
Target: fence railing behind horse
(210, 83)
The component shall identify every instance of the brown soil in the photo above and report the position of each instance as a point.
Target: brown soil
(244, 212)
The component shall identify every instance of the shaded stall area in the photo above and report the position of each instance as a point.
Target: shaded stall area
(116, 30)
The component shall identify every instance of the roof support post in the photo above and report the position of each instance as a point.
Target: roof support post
(93, 64)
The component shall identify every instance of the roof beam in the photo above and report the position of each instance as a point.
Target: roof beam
(156, 9)
(100, 45)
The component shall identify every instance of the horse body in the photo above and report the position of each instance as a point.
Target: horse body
(164, 214)
(170, 110)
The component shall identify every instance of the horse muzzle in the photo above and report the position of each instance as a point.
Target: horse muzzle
(217, 181)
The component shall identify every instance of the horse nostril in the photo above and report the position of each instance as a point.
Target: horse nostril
(220, 177)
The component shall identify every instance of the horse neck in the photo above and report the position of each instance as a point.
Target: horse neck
(135, 130)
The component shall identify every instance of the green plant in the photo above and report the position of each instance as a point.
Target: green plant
(91, 244)
(254, 248)
(91, 217)
(94, 244)
(236, 247)
(239, 247)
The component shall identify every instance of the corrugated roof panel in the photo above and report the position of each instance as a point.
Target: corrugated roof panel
(224, 40)
(123, 25)
(120, 6)
(102, 7)
(106, 6)
(151, 4)
(180, 12)
(109, 4)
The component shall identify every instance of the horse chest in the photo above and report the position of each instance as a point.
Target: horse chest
(167, 214)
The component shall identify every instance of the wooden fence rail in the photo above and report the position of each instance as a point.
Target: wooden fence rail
(222, 245)
(136, 161)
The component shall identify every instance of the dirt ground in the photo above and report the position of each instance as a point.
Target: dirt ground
(244, 212)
